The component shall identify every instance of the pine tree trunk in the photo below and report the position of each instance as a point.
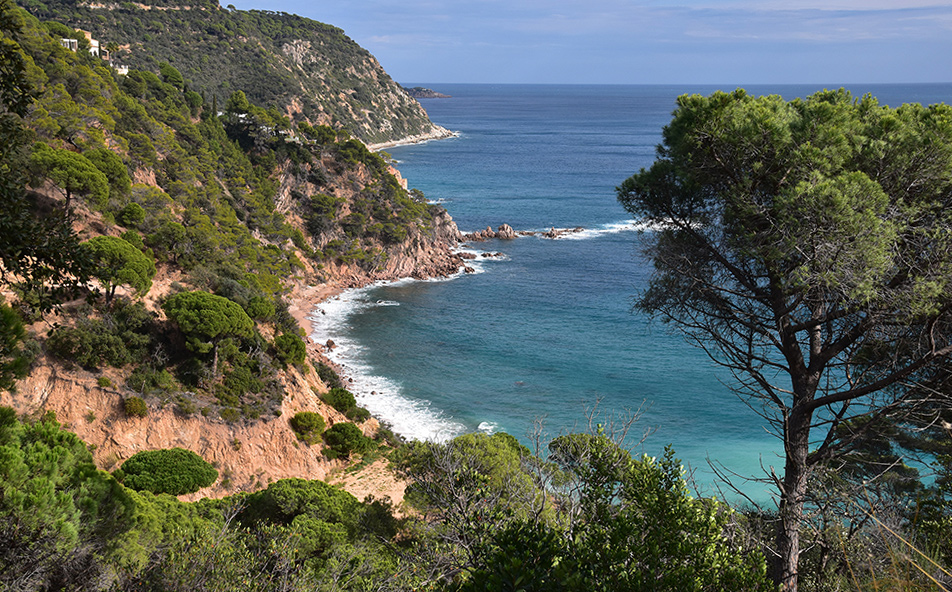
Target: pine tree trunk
(791, 502)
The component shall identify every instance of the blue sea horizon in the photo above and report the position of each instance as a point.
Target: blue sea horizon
(546, 332)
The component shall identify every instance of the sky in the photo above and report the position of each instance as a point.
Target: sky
(644, 42)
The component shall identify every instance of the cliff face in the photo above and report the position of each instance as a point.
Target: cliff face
(248, 455)
(428, 250)
(309, 70)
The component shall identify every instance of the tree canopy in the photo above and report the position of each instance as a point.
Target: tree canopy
(118, 263)
(175, 471)
(71, 172)
(206, 319)
(807, 247)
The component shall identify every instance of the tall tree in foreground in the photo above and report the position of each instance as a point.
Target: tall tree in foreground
(807, 247)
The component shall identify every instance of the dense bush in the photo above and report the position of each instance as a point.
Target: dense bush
(308, 426)
(135, 407)
(329, 376)
(131, 215)
(339, 398)
(146, 380)
(175, 471)
(122, 336)
(343, 400)
(290, 349)
(344, 438)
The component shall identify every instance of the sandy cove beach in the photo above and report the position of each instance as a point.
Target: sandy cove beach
(376, 479)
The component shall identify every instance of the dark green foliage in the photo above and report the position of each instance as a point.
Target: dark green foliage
(147, 380)
(308, 426)
(131, 215)
(354, 152)
(613, 523)
(118, 263)
(230, 414)
(135, 407)
(236, 382)
(805, 245)
(329, 525)
(171, 76)
(71, 172)
(109, 163)
(206, 319)
(133, 238)
(323, 215)
(339, 398)
(175, 471)
(218, 51)
(58, 514)
(290, 349)
(329, 376)
(14, 363)
(38, 250)
(285, 500)
(122, 336)
(342, 439)
(260, 308)
(343, 400)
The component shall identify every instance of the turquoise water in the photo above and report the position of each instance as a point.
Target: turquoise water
(546, 332)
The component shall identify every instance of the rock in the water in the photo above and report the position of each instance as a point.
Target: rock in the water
(505, 232)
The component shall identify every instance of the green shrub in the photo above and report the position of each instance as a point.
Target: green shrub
(91, 344)
(132, 215)
(260, 308)
(175, 471)
(386, 436)
(230, 414)
(135, 407)
(340, 398)
(290, 349)
(149, 380)
(308, 426)
(329, 376)
(121, 337)
(344, 438)
(343, 400)
(358, 414)
(133, 238)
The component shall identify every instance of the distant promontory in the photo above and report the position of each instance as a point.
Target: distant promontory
(419, 92)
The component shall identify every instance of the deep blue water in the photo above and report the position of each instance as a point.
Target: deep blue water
(547, 331)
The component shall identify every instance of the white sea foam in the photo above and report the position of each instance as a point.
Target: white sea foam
(482, 260)
(488, 426)
(382, 396)
(604, 229)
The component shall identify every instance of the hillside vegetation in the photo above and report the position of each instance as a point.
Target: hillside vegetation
(307, 70)
(151, 238)
(185, 229)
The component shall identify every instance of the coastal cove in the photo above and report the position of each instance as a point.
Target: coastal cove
(546, 331)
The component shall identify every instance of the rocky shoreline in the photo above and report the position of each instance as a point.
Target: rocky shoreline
(505, 232)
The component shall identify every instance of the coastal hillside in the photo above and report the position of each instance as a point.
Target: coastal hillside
(174, 246)
(309, 71)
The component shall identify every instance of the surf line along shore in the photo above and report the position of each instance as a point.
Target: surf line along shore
(320, 310)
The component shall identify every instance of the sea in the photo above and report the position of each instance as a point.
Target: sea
(542, 339)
